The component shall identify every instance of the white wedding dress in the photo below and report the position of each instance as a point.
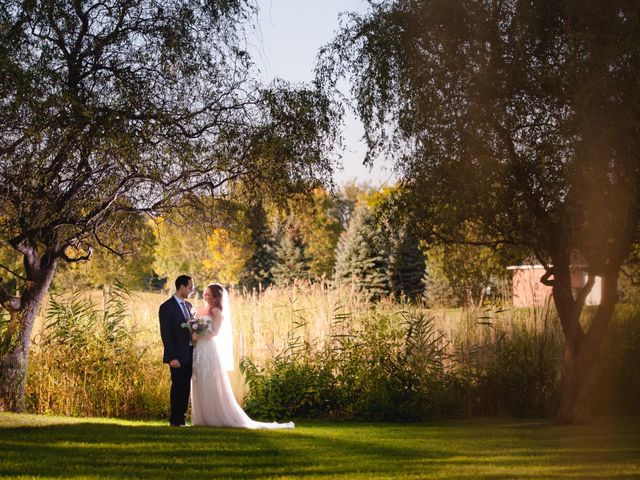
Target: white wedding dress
(212, 400)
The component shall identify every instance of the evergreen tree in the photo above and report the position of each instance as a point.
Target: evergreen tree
(360, 255)
(292, 262)
(378, 254)
(407, 265)
(257, 272)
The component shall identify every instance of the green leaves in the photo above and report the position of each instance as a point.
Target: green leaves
(130, 107)
(513, 116)
(382, 369)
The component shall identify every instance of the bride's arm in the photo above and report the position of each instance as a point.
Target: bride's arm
(216, 321)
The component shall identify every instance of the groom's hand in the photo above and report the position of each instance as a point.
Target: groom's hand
(175, 363)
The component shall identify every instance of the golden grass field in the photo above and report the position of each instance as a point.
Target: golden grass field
(262, 321)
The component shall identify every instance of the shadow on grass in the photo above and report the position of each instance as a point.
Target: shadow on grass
(329, 450)
(104, 450)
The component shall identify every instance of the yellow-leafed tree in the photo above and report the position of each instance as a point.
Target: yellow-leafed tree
(228, 252)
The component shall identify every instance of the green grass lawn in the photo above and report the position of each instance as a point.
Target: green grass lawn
(58, 447)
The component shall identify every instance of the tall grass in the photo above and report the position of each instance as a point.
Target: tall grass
(90, 360)
(311, 350)
(615, 385)
(511, 358)
(414, 365)
(385, 368)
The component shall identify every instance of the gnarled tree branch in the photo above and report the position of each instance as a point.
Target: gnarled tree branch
(10, 302)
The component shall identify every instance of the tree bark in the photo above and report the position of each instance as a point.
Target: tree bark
(581, 349)
(14, 363)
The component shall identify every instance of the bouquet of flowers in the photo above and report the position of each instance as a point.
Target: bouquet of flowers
(201, 326)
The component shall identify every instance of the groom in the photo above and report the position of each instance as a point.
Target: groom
(177, 347)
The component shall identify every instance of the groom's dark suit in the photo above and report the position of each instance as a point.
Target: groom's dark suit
(177, 346)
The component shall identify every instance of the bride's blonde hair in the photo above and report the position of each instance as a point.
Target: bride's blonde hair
(216, 292)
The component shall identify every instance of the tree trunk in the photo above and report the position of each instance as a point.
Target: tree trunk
(14, 363)
(573, 379)
(581, 354)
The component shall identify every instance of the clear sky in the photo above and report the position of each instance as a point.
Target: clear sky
(290, 33)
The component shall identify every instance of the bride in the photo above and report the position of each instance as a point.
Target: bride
(212, 400)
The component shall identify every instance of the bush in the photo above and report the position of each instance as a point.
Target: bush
(513, 367)
(518, 378)
(298, 382)
(383, 369)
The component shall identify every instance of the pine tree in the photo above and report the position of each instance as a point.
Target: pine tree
(257, 273)
(292, 262)
(360, 255)
(407, 266)
(378, 255)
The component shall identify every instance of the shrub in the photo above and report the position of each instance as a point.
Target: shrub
(298, 382)
(383, 369)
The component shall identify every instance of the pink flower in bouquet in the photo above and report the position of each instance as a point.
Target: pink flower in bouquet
(199, 326)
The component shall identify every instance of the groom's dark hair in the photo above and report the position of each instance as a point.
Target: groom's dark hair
(182, 280)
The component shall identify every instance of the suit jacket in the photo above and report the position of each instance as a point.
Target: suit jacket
(175, 338)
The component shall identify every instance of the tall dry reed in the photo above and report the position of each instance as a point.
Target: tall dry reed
(508, 355)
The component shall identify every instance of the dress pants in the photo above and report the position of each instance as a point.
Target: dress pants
(179, 396)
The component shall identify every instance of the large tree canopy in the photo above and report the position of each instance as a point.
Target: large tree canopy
(516, 120)
(109, 108)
